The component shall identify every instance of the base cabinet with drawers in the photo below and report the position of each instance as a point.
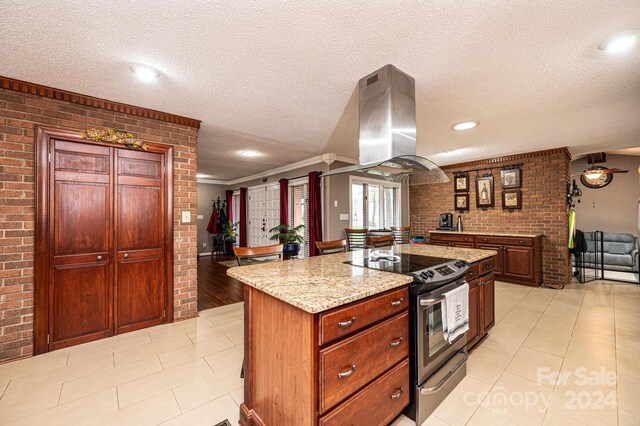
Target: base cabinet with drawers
(518, 259)
(345, 366)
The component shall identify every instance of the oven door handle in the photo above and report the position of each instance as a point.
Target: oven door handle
(431, 302)
(445, 379)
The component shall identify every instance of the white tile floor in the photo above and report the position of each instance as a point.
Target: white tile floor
(566, 357)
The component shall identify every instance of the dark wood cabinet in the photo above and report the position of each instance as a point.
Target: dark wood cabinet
(357, 376)
(103, 240)
(488, 301)
(518, 258)
(474, 333)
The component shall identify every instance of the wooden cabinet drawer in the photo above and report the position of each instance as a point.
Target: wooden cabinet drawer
(462, 238)
(505, 241)
(347, 319)
(352, 363)
(377, 404)
(473, 272)
(487, 265)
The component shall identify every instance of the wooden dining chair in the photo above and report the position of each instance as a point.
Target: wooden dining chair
(401, 234)
(253, 255)
(382, 241)
(356, 238)
(330, 247)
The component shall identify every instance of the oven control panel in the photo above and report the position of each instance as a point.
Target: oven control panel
(444, 272)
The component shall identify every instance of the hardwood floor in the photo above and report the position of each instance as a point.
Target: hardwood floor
(215, 288)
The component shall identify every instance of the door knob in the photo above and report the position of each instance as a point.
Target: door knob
(99, 257)
(126, 255)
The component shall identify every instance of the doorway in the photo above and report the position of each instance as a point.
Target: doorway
(104, 239)
(264, 214)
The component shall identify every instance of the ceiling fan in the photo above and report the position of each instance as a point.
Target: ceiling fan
(596, 177)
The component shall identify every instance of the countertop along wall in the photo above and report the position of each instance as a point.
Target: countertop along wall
(19, 115)
(545, 175)
(616, 205)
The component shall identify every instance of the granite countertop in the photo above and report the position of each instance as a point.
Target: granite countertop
(489, 234)
(319, 283)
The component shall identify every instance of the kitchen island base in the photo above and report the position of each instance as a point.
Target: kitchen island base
(291, 379)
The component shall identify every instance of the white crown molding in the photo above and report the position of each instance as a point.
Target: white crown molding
(324, 158)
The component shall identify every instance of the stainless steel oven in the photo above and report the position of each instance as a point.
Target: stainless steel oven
(439, 364)
(436, 366)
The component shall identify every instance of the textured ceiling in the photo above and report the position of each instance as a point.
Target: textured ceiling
(280, 76)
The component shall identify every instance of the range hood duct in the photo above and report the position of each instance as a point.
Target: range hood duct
(388, 130)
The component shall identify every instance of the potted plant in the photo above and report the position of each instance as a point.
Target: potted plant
(288, 237)
(229, 233)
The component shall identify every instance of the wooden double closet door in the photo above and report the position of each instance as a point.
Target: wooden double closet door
(107, 220)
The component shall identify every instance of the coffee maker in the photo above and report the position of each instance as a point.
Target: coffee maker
(446, 222)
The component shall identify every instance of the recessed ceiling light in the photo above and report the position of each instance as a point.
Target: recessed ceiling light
(620, 42)
(465, 125)
(145, 73)
(250, 153)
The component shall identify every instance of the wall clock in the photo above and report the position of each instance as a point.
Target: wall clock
(594, 180)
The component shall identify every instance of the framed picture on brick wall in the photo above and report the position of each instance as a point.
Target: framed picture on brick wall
(461, 182)
(461, 203)
(511, 199)
(511, 178)
(484, 192)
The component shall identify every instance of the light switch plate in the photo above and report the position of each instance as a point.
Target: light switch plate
(335, 203)
(186, 217)
(200, 216)
(344, 216)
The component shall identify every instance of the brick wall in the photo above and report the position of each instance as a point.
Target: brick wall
(544, 179)
(19, 114)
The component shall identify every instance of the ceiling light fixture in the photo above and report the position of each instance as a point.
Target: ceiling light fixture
(465, 125)
(250, 153)
(145, 73)
(620, 42)
(593, 174)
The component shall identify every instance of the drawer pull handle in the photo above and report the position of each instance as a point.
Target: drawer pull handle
(397, 395)
(346, 323)
(348, 372)
(126, 255)
(396, 343)
(470, 273)
(521, 242)
(397, 302)
(488, 265)
(99, 257)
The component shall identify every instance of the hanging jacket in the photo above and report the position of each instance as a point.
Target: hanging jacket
(213, 222)
(580, 243)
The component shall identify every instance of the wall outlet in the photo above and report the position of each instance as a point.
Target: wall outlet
(200, 217)
(186, 217)
(344, 216)
(204, 245)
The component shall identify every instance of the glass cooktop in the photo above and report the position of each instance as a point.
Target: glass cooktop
(400, 263)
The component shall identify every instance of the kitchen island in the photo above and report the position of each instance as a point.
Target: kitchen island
(327, 342)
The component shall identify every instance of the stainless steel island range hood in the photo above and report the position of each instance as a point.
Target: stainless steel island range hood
(388, 130)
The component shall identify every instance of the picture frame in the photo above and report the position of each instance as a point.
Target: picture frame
(461, 202)
(461, 182)
(484, 192)
(512, 199)
(511, 178)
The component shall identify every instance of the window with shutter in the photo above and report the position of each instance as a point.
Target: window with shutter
(299, 212)
(374, 204)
